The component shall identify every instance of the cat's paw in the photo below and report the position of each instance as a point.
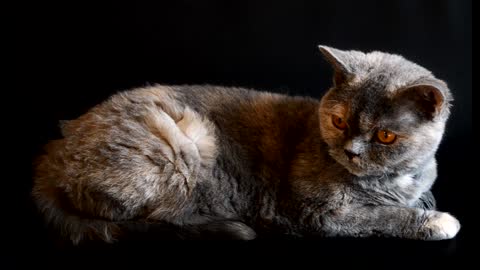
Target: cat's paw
(441, 226)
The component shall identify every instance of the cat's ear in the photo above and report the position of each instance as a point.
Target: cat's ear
(429, 98)
(338, 59)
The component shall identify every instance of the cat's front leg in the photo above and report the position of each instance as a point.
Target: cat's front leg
(411, 223)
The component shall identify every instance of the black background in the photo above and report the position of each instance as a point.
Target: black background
(72, 55)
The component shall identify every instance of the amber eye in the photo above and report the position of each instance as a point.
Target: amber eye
(338, 122)
(386, 137)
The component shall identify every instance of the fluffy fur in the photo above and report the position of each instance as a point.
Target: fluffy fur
(235, 162)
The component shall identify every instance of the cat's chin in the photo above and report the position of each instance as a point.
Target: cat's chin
(350, 166)
(361, 173)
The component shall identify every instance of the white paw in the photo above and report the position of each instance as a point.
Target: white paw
(442, 226)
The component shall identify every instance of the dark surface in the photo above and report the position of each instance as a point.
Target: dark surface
(72, 56)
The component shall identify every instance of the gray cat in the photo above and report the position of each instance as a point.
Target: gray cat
(235, 162)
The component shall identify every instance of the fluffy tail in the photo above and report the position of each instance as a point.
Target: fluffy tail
(62, 218)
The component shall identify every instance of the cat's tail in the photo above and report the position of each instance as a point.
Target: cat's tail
(77, 228)
(220, 229)
(53, 204)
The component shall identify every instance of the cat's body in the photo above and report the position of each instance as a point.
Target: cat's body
(241, 161)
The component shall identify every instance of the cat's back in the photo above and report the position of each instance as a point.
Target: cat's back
(244, 124)
(139, 129)
(142, 152)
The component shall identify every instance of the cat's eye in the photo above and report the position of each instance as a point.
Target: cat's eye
(386, 137)
(338, 122)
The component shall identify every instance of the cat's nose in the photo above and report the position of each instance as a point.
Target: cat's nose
(350, 154)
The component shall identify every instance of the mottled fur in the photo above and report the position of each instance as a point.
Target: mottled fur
(214, 160)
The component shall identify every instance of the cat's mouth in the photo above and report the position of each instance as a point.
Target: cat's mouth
(354, 165)
(354, 169)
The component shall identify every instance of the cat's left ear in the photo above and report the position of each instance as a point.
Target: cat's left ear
(339, 60)
(430, 98)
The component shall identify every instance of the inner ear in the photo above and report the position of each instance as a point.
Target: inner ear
(427, 99)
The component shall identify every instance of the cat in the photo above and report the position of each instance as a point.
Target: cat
(211, 160)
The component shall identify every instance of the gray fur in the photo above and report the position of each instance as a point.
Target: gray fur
(241, 162)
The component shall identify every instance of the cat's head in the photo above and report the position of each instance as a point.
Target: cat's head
(384, 114)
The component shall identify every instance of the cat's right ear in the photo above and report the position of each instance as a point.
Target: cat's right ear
(430, 97)
(338, 60)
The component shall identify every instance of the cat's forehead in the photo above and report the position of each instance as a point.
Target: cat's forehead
(365, 102)
(370, 97)
(381, 112)
(377, 82)
(388, 72)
